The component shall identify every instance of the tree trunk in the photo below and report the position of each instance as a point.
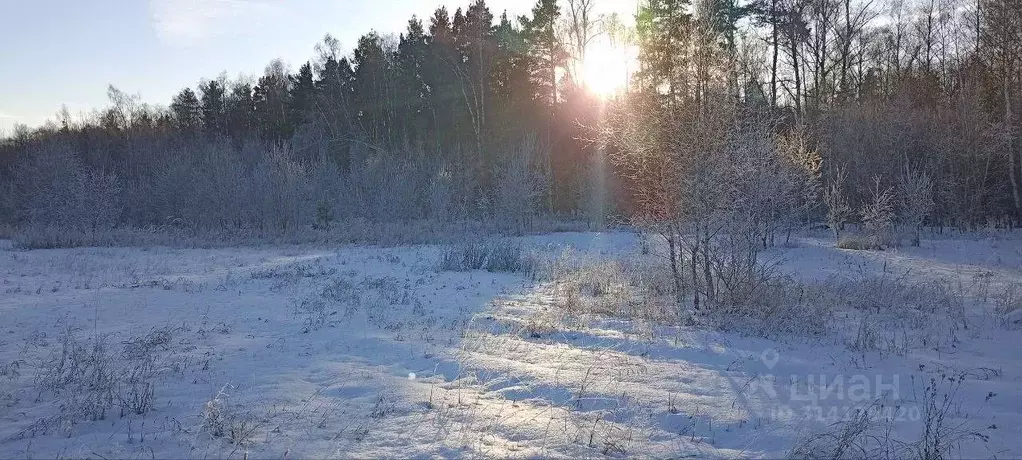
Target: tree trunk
(695, 276)
(798, 75)
(675, 270)
(707, 272)
(776, 52)
(1012, 154)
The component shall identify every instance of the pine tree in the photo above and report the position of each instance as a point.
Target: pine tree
(443, 95)
(334, 101)
(214, 106)
(240, 112)
(371, 90)
(545, 50)
(412, 54)
(478, 49)
(303, 93)
(511, 89)
(187, 110)
(663, 28)
(271, 100)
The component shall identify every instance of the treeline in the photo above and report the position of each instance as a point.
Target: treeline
(898, 89)
(462, 116)
(882, 90)
(750, 119)
(465, 115)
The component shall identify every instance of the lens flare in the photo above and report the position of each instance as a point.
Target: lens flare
(606, 69)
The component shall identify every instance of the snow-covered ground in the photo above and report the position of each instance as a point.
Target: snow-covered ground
(363, 351)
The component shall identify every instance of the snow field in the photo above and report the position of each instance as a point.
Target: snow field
(362, 351)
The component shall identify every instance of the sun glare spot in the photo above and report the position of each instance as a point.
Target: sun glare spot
(606, 69)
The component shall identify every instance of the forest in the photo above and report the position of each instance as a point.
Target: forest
(886, 114)
(708, 229)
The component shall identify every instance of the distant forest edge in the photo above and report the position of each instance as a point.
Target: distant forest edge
(741, 118)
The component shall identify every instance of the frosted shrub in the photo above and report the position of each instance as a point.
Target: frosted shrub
(838, 210)
(463, 257)
(520, 187)
(81, 375)
(214, 415)
(220, 419)
(854, 242)
(440, 194)
(287, 203)
(915, 202)
(387, 189)
(508, 257)
(60, 191)
(878, 215)
(87, 379)
(776, 307)
(499, 256)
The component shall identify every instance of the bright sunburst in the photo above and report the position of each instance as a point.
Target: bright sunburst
(606, 68)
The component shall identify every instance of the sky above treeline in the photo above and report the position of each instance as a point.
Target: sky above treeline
(66, 52)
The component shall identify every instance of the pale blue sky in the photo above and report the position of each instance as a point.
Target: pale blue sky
(55, 52)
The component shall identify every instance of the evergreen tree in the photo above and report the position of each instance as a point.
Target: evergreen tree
(663, 28)
(723, 17)
(412, 54)
(546, 51)
(187, 110)
(240, 111)
(214, 106)
(333, 104)
(546, 55)
(443, 93)
(271, 100)
(303, 94)
(477, 47)
(371, 90)
(511, 89)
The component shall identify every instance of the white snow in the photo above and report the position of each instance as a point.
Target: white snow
(371, 352)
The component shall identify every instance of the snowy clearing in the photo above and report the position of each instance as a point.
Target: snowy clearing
(374, 352)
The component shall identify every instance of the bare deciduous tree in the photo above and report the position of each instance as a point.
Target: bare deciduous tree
(915, 204)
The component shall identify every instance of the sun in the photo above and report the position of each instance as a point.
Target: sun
(606, 69)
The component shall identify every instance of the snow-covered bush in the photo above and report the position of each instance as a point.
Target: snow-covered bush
(631, 290)
(718, 183)
(839, 212)
(497, 256)
(915, 204)
(221, 419)
(853, 437)
(87, 379)
(82, 375)
(1008, 304)
(441, 194)
(854, 242)
(387, 189)
(879, 217)
(463, 257)
(890, 214)
(520, 186)
(58, 190)
(778, 306)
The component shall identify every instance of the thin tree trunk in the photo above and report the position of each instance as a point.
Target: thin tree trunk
(707, 272)
(695, 276)
(675, 270)
(776, 53)
(1012, 154)
(798, 75)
